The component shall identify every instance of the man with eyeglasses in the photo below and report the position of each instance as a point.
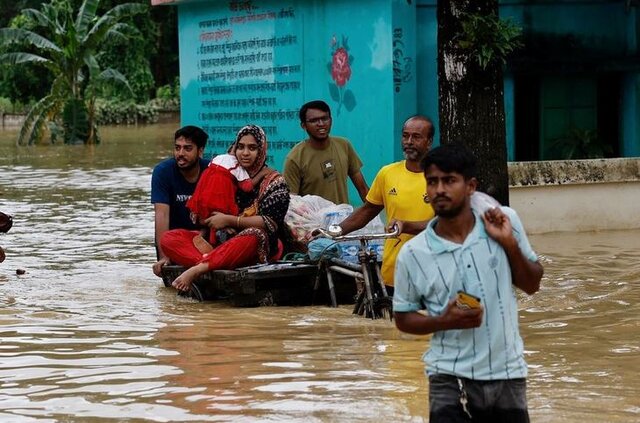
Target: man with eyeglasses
(400, 189)
(320, 164)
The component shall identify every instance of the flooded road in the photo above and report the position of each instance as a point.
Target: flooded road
(89, 334)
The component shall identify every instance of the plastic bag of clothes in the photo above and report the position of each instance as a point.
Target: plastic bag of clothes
(323, 248)
(309, 212)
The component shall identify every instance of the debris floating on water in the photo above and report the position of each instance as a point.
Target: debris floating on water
(6, 222)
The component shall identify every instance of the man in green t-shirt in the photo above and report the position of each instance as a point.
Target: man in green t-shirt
(320, 164)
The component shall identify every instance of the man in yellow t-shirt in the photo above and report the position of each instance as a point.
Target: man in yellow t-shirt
(401, 190)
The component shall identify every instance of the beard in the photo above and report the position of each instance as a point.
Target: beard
(188, 165)
(411, 155)
(414, 155)
(448, 213)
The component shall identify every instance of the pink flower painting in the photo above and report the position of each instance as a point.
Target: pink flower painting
(340, 67)
(340, 71)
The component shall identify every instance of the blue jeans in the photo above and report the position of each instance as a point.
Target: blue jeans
(486, 401)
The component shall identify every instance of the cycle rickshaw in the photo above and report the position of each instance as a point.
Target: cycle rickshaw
(372, 299)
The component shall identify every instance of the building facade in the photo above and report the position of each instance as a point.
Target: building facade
(571, 92)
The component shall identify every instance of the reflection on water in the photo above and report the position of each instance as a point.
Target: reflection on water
(89, 334)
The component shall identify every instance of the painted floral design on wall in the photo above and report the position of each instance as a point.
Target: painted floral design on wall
(340, 71)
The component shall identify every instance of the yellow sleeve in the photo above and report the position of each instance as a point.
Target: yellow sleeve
(376, 191)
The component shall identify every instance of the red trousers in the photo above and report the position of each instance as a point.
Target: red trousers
(239, 251)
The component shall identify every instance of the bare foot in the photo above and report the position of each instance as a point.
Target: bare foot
(202, 245)
(185, 280)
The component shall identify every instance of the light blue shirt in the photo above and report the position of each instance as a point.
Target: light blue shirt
(429, 272)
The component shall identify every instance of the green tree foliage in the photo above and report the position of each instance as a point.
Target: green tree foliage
(10, 8)
(151, 58)
(488, 38)
(135, 65)
(68, 44)
(152, 53)
(25, 84)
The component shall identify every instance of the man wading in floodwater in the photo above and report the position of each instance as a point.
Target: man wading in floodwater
(475, 360)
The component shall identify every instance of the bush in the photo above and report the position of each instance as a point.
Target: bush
(168, 96)
(171, 104)
(110, 112)
(5, 105)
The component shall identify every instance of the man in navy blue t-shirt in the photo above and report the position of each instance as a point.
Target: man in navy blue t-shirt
(172, 184)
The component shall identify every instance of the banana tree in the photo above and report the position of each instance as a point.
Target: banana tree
(68, 47)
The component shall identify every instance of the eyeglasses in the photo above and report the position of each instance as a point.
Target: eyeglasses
(321, 119)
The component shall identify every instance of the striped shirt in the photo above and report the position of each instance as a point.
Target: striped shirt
(430, 270)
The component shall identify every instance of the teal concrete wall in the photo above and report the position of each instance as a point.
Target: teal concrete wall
(596, 35)
(509, 117)
(585, 39)
(392, 46)
(404, 68)
(240, 66)
(598, 25)
(631, 116)
(427, 52)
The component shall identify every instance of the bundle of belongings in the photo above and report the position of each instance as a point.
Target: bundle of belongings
(309, 212)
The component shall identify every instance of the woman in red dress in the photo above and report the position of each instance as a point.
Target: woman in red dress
(216, 192)
(259, 225)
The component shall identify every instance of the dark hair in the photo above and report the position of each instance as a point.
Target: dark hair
(432, 128)
(451, 158)
(194, 134)
(315, 104)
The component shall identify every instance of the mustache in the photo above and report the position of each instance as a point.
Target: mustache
(440, 197)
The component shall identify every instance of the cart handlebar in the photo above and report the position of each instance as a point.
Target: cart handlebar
(337, 236)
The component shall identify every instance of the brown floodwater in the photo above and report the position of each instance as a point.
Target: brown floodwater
(90, 334)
